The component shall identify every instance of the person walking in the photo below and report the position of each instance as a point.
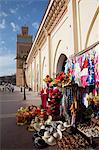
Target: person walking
(12, 88)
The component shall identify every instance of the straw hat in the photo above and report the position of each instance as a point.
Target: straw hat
(57, 134)
(46, 134)
(50, 141)
(43, 127)
(51, 129)
(65, 124)
(61, 127)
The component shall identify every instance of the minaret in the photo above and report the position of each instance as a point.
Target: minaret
(23, 46)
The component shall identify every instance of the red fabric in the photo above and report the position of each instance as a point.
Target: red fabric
(85, 65)
(42, 91)
(44, 98)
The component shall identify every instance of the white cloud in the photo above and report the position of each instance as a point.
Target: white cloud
(35, 25)
(3, 49)
(2, 42)
(12, 11)
(14, 27)
(2, 24)
(19, 18)
(3, 14)
(2, 45)
(7, 71)
(7, 64)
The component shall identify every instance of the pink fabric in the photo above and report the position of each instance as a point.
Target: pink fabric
(84, 75)
(80, 61)
(83, 81)
(96, 62)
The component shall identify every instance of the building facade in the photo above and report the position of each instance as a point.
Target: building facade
(67, 28)
(24, 43)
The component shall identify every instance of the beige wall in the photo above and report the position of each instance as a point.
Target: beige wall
(94, 34)
(86, 10)
(37, 72)
(63, 38)
(29, 76)
(32, 79)
(44, 61)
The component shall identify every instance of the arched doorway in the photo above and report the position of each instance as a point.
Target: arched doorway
(61, 63)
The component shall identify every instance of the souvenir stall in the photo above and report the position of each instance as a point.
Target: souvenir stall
(72, 97)
(46, 125)
(84, 71)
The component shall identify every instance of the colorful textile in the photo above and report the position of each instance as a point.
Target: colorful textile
(91, 78)
(84, 75)
(77, 72)
(66, 67)
(73, 71)
(96, 64)
(84, 69)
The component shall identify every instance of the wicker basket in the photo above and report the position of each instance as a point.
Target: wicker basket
(72, 142)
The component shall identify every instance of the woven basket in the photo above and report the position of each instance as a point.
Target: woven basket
(72, 142)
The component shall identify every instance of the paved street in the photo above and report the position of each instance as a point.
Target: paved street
(14, 137)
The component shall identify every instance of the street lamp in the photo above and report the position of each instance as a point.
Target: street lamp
(24, 78)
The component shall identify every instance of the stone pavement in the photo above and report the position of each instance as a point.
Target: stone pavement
(13, 137)
(32, 98)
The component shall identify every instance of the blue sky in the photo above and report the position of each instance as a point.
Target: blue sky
(13, 15)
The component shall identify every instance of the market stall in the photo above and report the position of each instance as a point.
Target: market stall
(69, 115)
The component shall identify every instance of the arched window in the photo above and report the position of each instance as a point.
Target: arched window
(61, 63)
